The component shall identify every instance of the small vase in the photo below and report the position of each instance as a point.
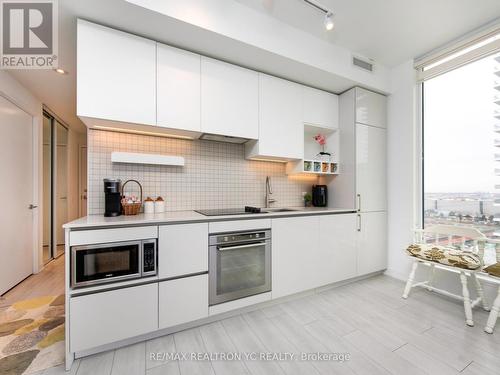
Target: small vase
(324, 156)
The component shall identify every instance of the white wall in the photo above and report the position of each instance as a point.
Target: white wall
(75, 141)
(241, 23)
(13, 90)
(401, 166)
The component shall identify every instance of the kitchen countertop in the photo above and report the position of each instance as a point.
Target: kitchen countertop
(174, 217)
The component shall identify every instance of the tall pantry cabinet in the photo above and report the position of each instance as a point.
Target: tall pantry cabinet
(362, 182)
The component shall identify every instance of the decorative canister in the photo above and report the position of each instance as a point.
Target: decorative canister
(159, 205)
(149, 206)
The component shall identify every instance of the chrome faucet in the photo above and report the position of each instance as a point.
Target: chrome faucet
(269, 192)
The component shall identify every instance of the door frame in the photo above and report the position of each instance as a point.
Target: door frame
(53, 230)
(37, 164)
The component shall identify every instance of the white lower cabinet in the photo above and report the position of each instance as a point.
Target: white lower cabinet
(183, 300)
(372, 242)
(337, 248)
(103, 318)
(295, 243)
(183, 249)
(312, 251)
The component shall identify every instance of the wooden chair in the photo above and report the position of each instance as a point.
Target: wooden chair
(495, 309)
(466, 236)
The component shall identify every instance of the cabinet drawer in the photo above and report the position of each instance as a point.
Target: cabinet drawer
(183, 300)
(103, 318)
(183, 249)
(238, 225)
(97, 236)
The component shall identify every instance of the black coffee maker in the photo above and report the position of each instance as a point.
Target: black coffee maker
(319, 195)
(112, 197)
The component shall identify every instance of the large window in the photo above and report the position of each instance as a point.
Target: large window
(461, 139)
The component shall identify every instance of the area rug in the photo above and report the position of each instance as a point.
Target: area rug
(32, 335)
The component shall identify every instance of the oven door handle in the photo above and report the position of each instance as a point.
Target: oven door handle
(228, 248)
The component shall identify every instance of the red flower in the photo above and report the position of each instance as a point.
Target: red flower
(320, 138)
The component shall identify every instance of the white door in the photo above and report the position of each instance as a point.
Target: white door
(16, 190)
(177, 88)
(337, 258)
(83, 181)
(229, 99)
(281, 131)
(295, 245)
(372, 242)
(371, 184)
(116, 75)
(320, 108)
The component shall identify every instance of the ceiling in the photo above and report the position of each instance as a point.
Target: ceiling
(388, 31)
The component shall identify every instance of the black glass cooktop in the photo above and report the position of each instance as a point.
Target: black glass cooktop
(230, 211)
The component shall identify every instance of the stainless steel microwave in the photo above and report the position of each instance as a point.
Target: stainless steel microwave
(111, 262)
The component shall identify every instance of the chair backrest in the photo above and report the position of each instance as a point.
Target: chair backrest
(455, 230)
(464, 234)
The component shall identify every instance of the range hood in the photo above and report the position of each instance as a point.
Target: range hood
(223, 138)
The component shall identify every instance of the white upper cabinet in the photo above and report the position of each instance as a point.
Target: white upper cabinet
(116, 75)
(178, 88)
(371, 175)
(371, 108)
(281, 131)
(229, 99)
(321, 108)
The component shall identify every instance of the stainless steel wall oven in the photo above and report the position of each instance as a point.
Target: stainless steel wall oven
(239, 265)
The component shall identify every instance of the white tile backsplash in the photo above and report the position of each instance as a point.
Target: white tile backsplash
(216, 175)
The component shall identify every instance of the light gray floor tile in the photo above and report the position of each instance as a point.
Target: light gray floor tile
(157, 349)
(383, 334)
(188, 342)
(130, 360)
(99, 364)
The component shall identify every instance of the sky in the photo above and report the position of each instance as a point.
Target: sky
(458, 129)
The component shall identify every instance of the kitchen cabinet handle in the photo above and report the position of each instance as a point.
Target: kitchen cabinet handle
(359, 223)
(359, 202)
(241, 246)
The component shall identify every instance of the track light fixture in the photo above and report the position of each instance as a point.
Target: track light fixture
(329, 24)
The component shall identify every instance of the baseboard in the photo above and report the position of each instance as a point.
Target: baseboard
(395, 274)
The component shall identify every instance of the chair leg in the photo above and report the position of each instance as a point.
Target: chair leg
(467, 304)
(480, 292)
(495, 310)
(432, 270)
(411, 277)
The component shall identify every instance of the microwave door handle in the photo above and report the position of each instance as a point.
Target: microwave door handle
(228, 248)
